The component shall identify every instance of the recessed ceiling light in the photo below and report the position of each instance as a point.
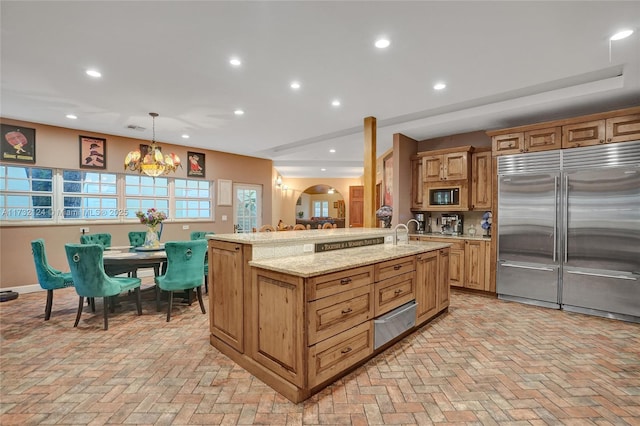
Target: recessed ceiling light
(185, 136)
(72, 116)
(94, 73)
(235, 62)
(332, 150)
(439, 86)
(295, 85)
(382, 43)
(238, 112)
(323, 170)
(335, 102)
(621, 34)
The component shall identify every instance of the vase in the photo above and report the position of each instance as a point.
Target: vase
(151, 240)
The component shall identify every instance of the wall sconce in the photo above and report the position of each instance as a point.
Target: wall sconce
(285, 187)
(331, 191)
(279, 181)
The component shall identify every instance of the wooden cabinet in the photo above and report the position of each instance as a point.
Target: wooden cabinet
(393, 292)
(448, 166)
(527, 141)
(474, 263)
(595, 132)
(607, 127)
(278, 324)
(481, 181)
(432, 288)
(416, 183)
(226, 291)
(456, 264)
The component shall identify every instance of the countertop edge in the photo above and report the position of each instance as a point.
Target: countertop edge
(314, 264)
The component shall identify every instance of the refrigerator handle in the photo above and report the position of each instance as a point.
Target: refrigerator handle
(555, 220)
(565, 214)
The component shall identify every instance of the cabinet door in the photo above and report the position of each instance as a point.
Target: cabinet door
(542, 139)
(226, 291)
(416, 183)
(427, 286)
(455, 166)
(456, 267)
(474, 264)
(511, 143)
(444, 290)
(583, 134)
(393, 292)
(481, 181)
(432, 168)
(622, 129)
(278, 324)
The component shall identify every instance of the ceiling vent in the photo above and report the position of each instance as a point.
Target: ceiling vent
(135, 127)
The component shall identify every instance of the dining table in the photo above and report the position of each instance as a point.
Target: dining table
(128, 259)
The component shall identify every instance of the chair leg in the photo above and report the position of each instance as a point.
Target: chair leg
(105, 302)
(206, 283)
(199, 291)
(92, 303)
(170, 306)
(47, 309)
(80, 305)
(138, 301)
(158, 291)
(112, 303)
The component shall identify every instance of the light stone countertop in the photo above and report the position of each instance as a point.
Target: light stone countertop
(453, 237)
(338, 260)
(311, 236)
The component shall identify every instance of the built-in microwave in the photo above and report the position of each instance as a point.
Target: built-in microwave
(448, 197)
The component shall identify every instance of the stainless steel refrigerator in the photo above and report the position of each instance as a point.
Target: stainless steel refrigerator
(569, 229)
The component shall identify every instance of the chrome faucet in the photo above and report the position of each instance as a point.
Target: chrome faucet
(417, 224)
(395, 232)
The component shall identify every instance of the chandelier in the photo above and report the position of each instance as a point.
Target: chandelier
(153, 163)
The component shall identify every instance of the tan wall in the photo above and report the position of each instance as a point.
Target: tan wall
(58, 147)
(284, 201)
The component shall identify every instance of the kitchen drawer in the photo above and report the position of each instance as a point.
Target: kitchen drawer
(336, 354)
(334, 314)
(338, 282)
(393, 324)
(391, 293)
(392, 268)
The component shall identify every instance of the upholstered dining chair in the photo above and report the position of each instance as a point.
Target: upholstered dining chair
(136, 239)
(299, 227)
(103, 239)
(200, 235)
(327, 225)
(49, 278)
(267, 228)
(185, 271)
(90, 280)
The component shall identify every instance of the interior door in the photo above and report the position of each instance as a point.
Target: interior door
(356, 206)
(247, 207)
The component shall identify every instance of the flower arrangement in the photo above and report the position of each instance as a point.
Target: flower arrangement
(152, 217)
(486, 222)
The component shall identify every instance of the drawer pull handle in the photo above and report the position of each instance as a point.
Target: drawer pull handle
(347, 311)
(395, 268)
(345, 281)
(397, 292)
(346, 350)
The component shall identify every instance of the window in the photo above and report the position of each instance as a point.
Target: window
(26, 193)
(89, 195)
(192, 199)
(144, 192)
(321, 208)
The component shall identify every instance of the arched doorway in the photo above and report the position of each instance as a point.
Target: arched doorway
(319, 204)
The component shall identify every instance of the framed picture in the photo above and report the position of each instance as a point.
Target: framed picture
(196, 164)
(225, 188)
(18, 144)
(93, 154)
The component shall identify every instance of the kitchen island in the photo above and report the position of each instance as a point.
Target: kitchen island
(299, 309)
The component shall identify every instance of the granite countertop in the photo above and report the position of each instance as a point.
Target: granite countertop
(455, 237)
(311, 236)
(310, 265)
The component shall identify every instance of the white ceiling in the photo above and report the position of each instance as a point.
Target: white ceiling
(505, 63)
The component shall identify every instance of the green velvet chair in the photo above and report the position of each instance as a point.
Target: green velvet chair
(90, 280)
(103, 239)
(49, 278)
(136, 239)
(185, 271)
(200, 235)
